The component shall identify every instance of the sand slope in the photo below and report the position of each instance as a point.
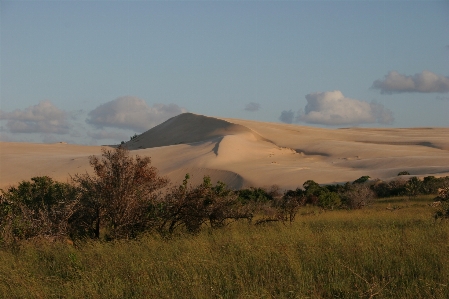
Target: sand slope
(248, 153)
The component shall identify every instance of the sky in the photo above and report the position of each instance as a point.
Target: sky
(98, 72)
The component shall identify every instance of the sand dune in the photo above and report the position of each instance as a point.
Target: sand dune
(246, 153)
(188, 128)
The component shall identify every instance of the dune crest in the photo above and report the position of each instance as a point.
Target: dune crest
(245, 153)
(188, 128)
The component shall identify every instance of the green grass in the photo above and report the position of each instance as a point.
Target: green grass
(400, 252)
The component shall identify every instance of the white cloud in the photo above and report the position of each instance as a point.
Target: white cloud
(423, 82)
(132, 113)
(252, 107)
(41, 118)
(333, 108)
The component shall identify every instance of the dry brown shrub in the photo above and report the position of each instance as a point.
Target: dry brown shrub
(117, 198)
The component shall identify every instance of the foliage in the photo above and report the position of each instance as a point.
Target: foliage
(339, 254)
(362, 179)
(37, 208)
(315, 194)
(190, 207)
(403, 173)
(117, 198)
(329, 200)
(413, 187)
(123, 199)
(388, 189)
(357, 196)
(431, 184)
(443, 207)
(252, 194)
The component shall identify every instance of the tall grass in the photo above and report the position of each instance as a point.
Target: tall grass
(400, 252)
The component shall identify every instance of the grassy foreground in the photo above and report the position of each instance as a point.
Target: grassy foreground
(400, 252)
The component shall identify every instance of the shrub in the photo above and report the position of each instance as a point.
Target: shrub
(358, 196)
(443, 194)
(443, 207)
(190, 207)
(254, 195)
(362, 179)
(37, 208)
(329, 200)
(391, 188)
(117, 198)
(413, 187)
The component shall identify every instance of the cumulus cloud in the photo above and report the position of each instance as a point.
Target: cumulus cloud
(287, 116)
(131, 113)
(423, 82)
(252, 107)
(333, 108)
(41, 118)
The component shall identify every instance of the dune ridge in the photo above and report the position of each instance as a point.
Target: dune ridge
(188, 128)
(244, 153)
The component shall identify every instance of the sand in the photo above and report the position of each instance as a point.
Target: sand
(245, 153)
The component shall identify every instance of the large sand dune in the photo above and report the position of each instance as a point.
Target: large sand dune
(246, 153)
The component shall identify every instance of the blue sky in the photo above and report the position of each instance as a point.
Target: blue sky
(96, 72)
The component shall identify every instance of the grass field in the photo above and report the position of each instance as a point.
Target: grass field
(399, 252)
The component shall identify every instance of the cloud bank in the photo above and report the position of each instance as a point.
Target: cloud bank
(252, 107)
(424, 82)
(41, 118)
(131, 113)
(333, 108)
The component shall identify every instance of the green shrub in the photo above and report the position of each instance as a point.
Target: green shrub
(189, 207)
(37, 208)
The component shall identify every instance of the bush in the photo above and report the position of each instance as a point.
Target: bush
(37, 208)
(329, 200)
(190, 207)
(118, 197)
(252, 194)
(358, 196)
(413, 187)
(362, 179)
(391, 188)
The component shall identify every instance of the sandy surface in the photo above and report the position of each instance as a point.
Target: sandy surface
(248, 153)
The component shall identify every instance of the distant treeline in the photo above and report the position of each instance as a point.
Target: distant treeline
(125, 197)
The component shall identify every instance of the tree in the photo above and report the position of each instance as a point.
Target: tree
(403, 173)
(312, 191)
(118, 197)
